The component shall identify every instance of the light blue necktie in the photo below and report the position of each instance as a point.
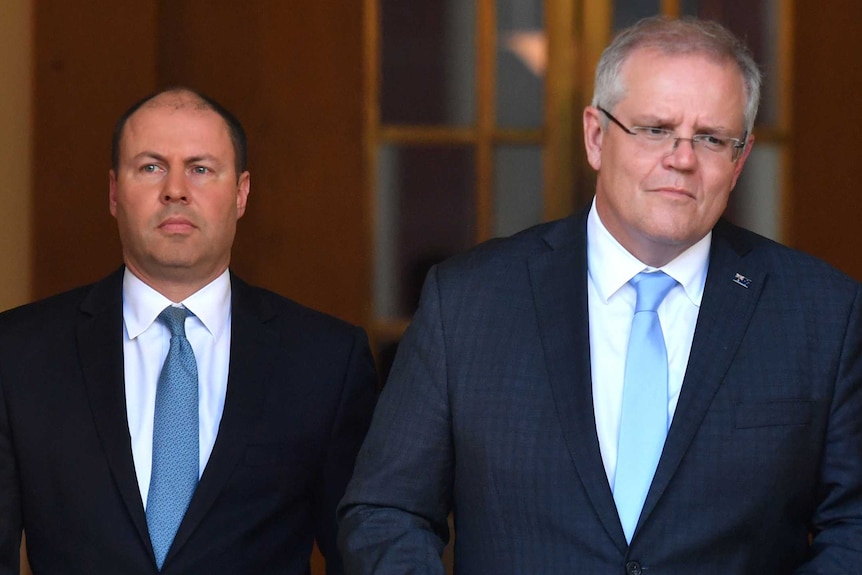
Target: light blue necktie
(175, 437)
(643, 423)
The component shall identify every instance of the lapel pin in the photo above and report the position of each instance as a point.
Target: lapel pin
(742, 280)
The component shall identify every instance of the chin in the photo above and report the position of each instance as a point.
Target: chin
(673, 236)
(174, 264)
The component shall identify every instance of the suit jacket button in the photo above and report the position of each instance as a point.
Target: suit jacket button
(633, 568)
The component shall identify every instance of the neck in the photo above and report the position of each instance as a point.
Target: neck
(176, 289)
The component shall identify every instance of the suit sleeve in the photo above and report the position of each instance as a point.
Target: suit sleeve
(837, 523)
(355, 408)
(10, 496)
(393, 518)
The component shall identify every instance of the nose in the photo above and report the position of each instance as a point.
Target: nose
(175, 188)
(681, 156)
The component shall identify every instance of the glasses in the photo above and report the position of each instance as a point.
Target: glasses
(658, 138)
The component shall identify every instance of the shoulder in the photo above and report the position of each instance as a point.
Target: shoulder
(792, 278)
(302, 341)
(282, 313)
(780, 261)
(60, 309)
(511, 254)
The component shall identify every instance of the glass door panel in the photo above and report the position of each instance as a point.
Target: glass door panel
(758, 23)
(755, 203)
(521, 61)
(517, 188)
(425, 212)
(428, 62)
(627, 12)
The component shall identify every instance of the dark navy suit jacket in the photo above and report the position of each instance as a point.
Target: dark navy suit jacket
(301, 389)
(488, 412)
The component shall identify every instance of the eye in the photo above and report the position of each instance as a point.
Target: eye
(653, 132)
(149, 168)
(715, 142)
(201, 170)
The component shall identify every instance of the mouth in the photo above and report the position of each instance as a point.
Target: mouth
(674, 192)
(177, 224)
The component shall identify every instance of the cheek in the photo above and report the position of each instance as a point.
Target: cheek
(217, 214)
(717, 186)
(134, 212)
(633, 175)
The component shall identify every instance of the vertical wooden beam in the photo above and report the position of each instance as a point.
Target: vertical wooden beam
(785, 56)
(486, 54)
(16, 25)
(371, 38)
(592, 34)
(562, 110)
(670, 8)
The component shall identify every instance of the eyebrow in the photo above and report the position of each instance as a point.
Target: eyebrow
(150, 155)
(653, 120)
(190, 160)
(202, 158)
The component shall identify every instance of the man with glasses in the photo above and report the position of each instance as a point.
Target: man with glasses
(640, 388)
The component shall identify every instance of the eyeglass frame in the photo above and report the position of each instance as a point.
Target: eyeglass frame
(737, 148)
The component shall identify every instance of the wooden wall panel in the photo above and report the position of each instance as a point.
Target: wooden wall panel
(826, 202)
(292, 72)
(91, 61)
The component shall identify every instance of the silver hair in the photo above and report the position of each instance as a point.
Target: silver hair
(683, 36)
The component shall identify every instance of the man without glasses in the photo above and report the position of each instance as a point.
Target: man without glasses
(172, 418)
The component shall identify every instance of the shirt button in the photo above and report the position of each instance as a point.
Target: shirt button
(633, 568)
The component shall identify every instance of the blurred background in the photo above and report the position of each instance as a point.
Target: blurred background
(386, 135)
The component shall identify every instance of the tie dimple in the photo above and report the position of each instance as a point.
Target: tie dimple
(651, 290)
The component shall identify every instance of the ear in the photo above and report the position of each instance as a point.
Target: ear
(593, 136)
(112, 192)
(742, 158)
(243, 187)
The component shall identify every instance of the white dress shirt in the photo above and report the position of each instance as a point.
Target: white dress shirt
(145, 347)
(611, 309)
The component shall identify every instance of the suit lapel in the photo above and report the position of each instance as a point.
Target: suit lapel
(729, 299)
(252, 356)
(559, 281)
(100, 346)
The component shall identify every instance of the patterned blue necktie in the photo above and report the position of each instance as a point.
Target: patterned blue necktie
(644, 422)
(175, 437)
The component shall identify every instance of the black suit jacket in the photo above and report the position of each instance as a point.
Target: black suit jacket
(301, 388)
(488, 411)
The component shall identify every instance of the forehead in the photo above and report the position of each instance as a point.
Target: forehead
(176, 124)
(696, 82)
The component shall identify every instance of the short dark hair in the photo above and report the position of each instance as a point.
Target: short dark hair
(237, 133)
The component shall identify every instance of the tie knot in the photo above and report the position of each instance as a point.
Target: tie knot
(651, 289)
(175, 319)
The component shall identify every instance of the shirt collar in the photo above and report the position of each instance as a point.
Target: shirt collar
(142, 304)
(611, 266)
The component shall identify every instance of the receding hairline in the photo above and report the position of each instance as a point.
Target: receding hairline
(182, 98)
(178, 99)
